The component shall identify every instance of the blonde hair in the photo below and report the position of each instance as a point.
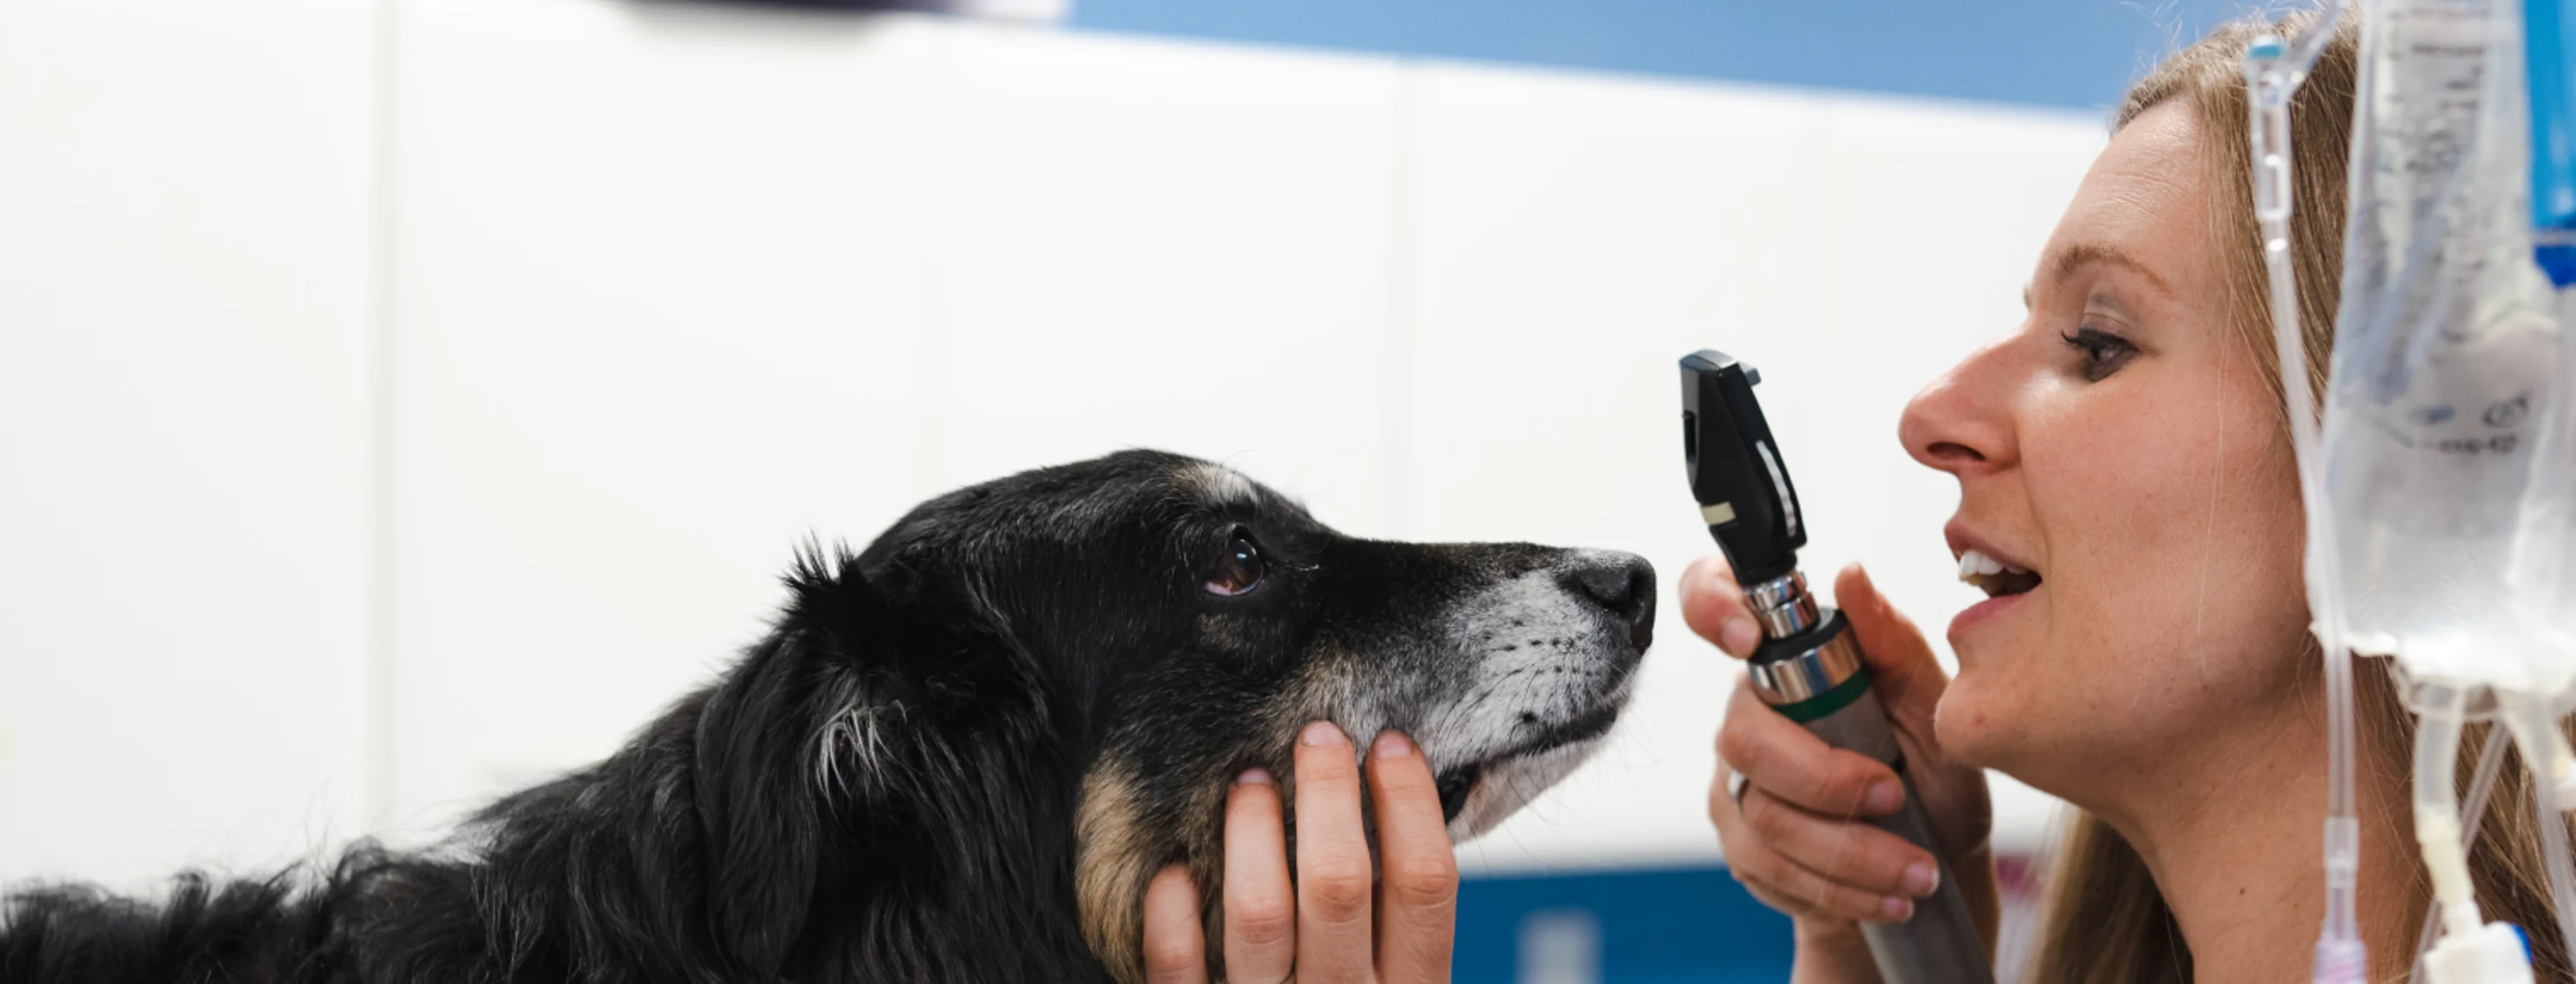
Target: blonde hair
(2105, 921)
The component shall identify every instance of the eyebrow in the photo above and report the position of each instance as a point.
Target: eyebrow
(2082, 255)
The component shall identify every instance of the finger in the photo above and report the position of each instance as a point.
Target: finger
(1175, 947)
(1746, 854)
(1418, 884)
(1787, 906)
(1809, 921)
(1794, 908)
(1260, 942)
(1845, 852)
(1787, 761)
(1721, 806)
(1333, 879)
(1908, 679)
(1740, 840)
(1713, 607)
(1798, 890)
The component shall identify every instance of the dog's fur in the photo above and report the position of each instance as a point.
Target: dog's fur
(959, 756)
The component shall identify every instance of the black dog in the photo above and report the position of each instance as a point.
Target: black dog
(958, 757)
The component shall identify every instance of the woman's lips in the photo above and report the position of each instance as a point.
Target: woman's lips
(1987, 611)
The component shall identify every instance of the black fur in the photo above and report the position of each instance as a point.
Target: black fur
(886, 787)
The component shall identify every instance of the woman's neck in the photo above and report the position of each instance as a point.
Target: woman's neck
(2234, 835)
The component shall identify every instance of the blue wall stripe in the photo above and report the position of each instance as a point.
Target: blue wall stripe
(2076, 54)
(1653, 926)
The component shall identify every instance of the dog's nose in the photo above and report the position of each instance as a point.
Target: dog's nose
(1623, 583)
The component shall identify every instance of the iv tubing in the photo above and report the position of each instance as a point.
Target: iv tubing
(2273, 73)
(2553, 845)
(2473, 818)
(2535, 731)
(2444, 709)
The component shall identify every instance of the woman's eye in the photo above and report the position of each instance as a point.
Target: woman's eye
(1239, 571)
(2101, 353)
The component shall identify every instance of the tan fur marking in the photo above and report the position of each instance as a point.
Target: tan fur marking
(1110, 871)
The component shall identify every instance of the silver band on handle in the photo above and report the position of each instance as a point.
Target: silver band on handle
(1807, 674)
(1783, 606)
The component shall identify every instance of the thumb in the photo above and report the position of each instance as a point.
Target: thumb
(1908, 680)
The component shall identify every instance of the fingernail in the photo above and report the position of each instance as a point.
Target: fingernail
(1322, 733)
(1897, 910)
(1885, 797)
(1255, 776)
(1739, 636)
(1921, 878)
(1392, 745)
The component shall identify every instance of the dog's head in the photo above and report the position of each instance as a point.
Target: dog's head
(1125, 635)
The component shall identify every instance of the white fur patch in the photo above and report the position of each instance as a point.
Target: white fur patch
(1507, 787)
(1539, 658)
(1224, 485)
(1538, 651)
(857, 734)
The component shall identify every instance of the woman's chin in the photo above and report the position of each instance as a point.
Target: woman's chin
(1973, 728)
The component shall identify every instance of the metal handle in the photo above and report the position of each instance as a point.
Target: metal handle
(1940, 945)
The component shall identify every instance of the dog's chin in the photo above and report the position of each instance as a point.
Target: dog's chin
(1475, 796)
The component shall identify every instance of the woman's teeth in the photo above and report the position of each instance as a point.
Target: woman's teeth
(1993, 576)
(1972, 563)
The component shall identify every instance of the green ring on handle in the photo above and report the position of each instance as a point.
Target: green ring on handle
(1840, 696)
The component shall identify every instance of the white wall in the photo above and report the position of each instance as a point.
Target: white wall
(185, 437)
(401, 402)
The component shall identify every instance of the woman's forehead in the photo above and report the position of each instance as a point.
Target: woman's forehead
(2144, 205)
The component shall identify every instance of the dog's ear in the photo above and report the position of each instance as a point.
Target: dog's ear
(764, 760)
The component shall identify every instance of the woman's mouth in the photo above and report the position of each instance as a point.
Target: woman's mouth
(2004, 584)
(1996, 578)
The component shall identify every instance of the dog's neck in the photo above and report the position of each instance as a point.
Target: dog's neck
(977, 884)
(955, 865)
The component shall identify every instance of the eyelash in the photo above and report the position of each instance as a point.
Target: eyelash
(2104, 352)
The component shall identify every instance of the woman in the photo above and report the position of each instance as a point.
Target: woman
(2124, 453)
(2127, 447)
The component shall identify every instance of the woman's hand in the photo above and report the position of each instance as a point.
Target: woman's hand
(1796, 837)
(1335, 924)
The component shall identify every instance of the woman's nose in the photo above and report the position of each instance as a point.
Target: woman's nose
(1958, 424)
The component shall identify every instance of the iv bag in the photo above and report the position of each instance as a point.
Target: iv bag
(2448, 363)
(2542, 575)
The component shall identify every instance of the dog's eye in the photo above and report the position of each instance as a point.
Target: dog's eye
(1239, 571)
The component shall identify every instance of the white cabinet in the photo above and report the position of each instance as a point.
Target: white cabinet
(186, 253)
(657, 310)
(1165, 245)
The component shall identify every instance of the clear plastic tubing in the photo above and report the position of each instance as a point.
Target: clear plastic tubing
(2535, 730)
(2443, 710)
(2473, 814)
(2273, 73)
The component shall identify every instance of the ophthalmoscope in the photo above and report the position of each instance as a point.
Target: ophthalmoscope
(1809, 666)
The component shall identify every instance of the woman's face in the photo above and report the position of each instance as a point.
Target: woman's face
(2122, 448)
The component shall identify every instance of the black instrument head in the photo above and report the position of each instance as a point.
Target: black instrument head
(1736, 473)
